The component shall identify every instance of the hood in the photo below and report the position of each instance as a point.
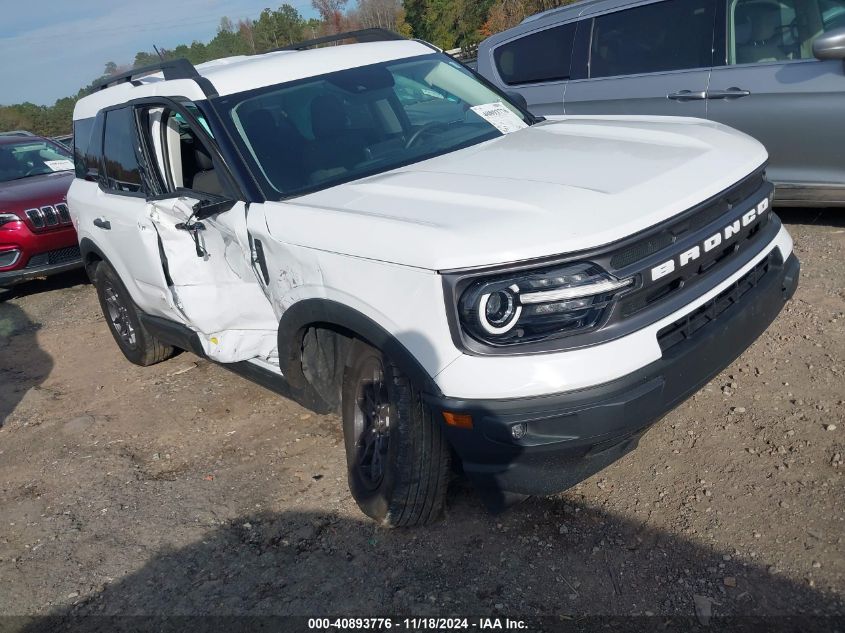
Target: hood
(558, 187)
(35, 191)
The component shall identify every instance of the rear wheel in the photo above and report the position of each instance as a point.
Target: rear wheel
(133, 339)
(396, 453)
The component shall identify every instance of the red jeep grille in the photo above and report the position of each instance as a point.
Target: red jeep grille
(49, 216)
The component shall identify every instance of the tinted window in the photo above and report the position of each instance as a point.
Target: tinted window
(543, 56)
(119, 152)
(767, 30)
(663, 36)
(81, 143)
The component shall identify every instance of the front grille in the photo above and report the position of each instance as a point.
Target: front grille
(689, 222)
(55, 258)
(36, 217)
(686, 328)
(663, 290)
(64, 212)
(64, 255)
(49, 216)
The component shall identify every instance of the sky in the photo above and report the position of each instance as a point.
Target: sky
(51, 48)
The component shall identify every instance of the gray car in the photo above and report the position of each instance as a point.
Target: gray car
(771, 68)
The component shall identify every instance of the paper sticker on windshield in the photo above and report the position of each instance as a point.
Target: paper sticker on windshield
(59, 165)
(500, 117)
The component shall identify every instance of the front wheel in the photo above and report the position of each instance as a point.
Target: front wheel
(396, 453)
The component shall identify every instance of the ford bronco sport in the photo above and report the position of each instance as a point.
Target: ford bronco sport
(375, 230)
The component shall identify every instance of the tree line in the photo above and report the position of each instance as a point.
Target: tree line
(447, 23)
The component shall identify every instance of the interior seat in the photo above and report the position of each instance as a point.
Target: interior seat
(337, 146)
(279, 147)
(206, 179)
(759, 34)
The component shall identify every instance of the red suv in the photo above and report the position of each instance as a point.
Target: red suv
(36, 234)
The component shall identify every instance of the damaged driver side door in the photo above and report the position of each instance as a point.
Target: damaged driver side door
(202, 238)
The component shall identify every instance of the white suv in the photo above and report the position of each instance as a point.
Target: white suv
(373, 229)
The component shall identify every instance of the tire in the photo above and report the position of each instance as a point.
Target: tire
(408, 486)
(122, 316)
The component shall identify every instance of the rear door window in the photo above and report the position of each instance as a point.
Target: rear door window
(537, 57)
(120, 153)
(81, 142)
(659, 37)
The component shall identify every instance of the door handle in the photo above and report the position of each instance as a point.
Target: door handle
(730, 93)
(687, 95)
(100, 223)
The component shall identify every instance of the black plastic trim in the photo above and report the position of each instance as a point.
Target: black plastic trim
(87, 248)
(173, 333)
(171, 69)
(316, 312)
(13, 277)
(232, 156)
(182, 337)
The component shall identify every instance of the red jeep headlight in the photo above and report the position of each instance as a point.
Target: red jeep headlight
(6, 218)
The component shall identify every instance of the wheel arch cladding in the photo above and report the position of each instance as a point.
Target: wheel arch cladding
(91, 256)
(300, 328)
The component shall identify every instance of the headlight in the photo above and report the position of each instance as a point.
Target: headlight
(6, 218)
(538, 304)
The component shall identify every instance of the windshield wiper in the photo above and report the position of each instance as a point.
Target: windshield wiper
(33, 175)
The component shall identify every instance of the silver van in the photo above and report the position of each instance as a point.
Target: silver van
(771, 68)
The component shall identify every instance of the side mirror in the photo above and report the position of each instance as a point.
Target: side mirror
(207, 208)
(830, 45)
(92, 175)
(518, 99)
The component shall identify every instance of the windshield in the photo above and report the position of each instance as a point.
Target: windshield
(32, 158)
(318, 132)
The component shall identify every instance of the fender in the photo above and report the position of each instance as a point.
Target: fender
(315, 312)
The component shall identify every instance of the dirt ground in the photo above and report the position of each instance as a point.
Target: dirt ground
(184, 489)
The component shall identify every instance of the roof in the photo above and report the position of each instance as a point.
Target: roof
(553, 16)
(231, 75)
(579, 8)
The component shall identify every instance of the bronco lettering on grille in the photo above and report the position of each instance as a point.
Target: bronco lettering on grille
(723, 236)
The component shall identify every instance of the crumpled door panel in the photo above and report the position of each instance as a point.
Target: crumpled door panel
(217, 294)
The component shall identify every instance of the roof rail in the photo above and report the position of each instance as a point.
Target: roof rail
(172, 69)
(364, 35)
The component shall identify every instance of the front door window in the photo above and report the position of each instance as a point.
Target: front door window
(762, 31)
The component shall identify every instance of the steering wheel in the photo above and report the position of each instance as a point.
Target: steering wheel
(425, 129)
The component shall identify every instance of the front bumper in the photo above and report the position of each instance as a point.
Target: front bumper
(573, 435)
(13, 277)
(49, 252)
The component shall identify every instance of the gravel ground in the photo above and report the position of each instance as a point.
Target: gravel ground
(184, 489)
